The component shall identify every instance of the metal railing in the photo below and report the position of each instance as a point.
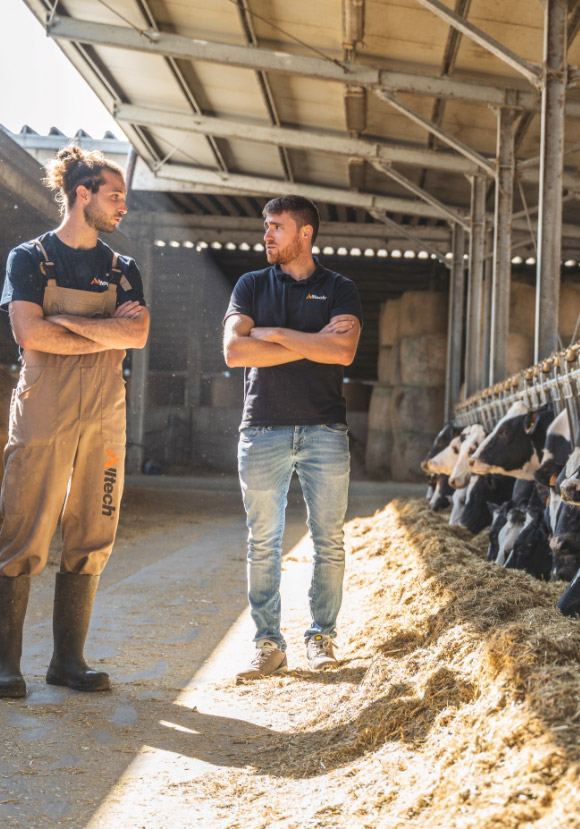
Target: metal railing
(555, 381)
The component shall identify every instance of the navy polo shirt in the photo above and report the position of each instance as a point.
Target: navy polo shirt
(304, 392)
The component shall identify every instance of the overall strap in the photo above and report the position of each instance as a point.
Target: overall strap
(122, 279)
(46, 266)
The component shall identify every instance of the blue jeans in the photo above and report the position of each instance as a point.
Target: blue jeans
(267, 457)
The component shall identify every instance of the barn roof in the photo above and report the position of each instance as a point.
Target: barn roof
(242, 98)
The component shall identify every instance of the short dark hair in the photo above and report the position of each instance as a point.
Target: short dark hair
(304, 212)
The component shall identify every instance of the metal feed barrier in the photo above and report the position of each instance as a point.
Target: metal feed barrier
(555, 381)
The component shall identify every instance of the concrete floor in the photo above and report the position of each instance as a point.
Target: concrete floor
(170, 617)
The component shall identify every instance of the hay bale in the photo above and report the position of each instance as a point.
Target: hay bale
(423, 360)
(421, 408)
(522, 308)
(409, 449)
(389, 322)
(389, 365)
(378, 453)
(380, 409)
(422, 312)
(520, 353)
(569, 310)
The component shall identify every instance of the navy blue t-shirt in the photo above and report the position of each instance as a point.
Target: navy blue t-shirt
(85, 270)
(304, 392)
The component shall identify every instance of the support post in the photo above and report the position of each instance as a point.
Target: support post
(455, 322)
(473, 362)
(137, 392)
(551, 170)
(502, 246)
(486, 311)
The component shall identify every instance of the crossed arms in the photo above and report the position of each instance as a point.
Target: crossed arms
(68, 334)
(248, 345)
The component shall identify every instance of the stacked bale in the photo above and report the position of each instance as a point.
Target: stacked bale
(521, 330)
(407, 403)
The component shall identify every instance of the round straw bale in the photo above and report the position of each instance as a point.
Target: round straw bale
(389, 322)
(423, 360)
(522, 308)
(389, 369)
(422, 312)
(520, 352)
(569, 310)
(420, 408)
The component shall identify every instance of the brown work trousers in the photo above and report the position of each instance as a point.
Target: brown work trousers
(65, 455)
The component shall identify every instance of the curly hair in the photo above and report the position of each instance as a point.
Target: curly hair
(74, 166)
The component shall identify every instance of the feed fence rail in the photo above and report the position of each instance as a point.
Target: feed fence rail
(554, 381)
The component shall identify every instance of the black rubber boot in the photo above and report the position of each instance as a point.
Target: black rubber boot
(74, 597)
(13, 602)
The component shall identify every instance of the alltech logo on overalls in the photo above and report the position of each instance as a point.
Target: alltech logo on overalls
(109, 483)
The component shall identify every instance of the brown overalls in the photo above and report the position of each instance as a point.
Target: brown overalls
(65, 455)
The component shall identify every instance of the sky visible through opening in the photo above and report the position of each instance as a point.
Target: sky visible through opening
(40, 87)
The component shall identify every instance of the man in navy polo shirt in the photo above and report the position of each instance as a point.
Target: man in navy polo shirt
(293, 327)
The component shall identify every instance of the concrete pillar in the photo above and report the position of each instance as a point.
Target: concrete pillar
(551, 170)
(502, 246)
(142, 251)
(473, 361)
(455, 322)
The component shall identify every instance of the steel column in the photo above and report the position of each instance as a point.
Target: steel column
(455, 322)
(473, 361)
(551, 170)
(502, 246)
(486, 309)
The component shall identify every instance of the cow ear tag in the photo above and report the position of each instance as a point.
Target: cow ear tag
(553, 479)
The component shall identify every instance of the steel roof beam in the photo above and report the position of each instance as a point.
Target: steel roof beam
(418, 191)
(180, 178)
(529, 70)
(381, 216)
(479, 91)
(327, 142)
(483, 163)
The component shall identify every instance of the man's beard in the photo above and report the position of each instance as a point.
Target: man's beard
(280, 256)
(98, 220)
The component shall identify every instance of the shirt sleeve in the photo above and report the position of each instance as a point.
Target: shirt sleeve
(24, 280)
(130, 284)
(242, 298)
(347, 300)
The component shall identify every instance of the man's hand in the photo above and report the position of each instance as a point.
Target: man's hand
(341, 324)
(129, 310)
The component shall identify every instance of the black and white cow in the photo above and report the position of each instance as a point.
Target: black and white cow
(531, 549)
(515, 445)
(569, 601)
(482, 490)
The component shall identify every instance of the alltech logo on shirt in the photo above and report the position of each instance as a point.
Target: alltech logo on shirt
(102, 283)
(316, 296)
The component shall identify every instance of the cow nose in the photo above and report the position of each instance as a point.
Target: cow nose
(471, 462)
(424, 466)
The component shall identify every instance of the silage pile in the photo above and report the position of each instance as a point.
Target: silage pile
(458, 704)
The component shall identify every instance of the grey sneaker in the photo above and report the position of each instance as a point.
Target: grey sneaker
(320, 652)
(268, 659)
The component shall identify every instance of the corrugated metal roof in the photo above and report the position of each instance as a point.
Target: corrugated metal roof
(172, 57)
